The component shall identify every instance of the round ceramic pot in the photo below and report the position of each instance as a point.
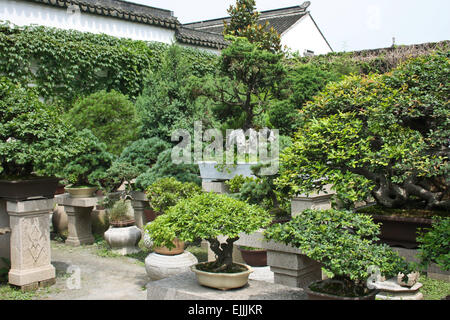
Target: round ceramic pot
(179, 249)
(160, 266)
(87, 192)
(123, 240)
(313, 295)
(254, 258)
(222, 281)
(60, 220)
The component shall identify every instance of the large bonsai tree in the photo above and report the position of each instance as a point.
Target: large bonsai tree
(31, 133)
(385, 136)
(344, 243)
(208, 216)
(249, 70)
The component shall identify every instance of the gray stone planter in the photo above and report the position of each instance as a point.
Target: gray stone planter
(123, 240)
(160, 266)
(209, 172)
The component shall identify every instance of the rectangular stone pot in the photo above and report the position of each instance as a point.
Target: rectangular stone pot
(209, 172)
(20, 190)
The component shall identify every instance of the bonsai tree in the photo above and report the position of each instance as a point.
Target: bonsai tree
(384, 136)
(434, 244)
(32, 135)
(163, 168)
(344, 243)
(167, 192)
(109, 115)
(119, 212)
(87, 162)
(135, 160)
(208, 216)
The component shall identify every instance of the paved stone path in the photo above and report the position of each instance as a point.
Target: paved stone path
(101, 278)
(104, 278)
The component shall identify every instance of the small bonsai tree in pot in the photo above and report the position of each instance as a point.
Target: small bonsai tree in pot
(210, 216)
(344, 243)
(165, 193)
(122, 236)
(86, 165)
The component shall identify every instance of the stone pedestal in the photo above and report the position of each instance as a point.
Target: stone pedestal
(5, 234)
(140, 203)
(79, 218)
(320, 201)
(30, 243)
(215, 186)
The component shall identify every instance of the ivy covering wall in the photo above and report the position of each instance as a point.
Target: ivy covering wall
(66, 64)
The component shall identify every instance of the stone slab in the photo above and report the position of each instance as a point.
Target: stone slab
(391, 290)
(66, 200)
(185, 287)
(29, 206)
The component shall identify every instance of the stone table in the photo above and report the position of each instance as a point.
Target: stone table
(184, 286)
(79, 218)
(29, 222)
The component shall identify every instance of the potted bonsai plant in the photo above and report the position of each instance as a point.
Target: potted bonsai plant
(31, 132)
(165, 193)
(209, 216)
(343, 242)
(86, 166)
(122, 236)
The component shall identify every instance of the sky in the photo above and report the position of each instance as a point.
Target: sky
(348, 25)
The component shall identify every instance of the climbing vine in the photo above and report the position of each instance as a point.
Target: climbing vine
(66, 64)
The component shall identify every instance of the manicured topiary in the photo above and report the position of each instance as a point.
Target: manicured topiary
(344, 243)
(109, 115)
(87, 162)
(167, 192)
(209, 216)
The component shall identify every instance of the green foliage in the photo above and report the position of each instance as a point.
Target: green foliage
(241, 89)
(109, 115)
(433, 289)
(166, 192)
(70, 63)
(342, 241)
(119, 212)
(434, 244)
(30, 133)
(244, 23)
(371, 135)
(208, 216)
(164, 167)
(166, 103)
(86, 160)
(302, 83)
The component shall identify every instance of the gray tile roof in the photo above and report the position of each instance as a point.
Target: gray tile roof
(200, 38)
(280, 19)
(121, 10)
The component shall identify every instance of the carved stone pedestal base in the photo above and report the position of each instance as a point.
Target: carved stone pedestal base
(30, 242)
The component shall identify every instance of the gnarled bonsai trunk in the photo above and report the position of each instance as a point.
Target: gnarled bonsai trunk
(224, 253)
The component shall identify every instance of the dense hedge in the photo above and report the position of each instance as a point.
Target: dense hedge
(66, 64)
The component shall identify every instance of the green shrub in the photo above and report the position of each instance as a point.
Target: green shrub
(87, 160)
(109, 115)
(165, 168)
(343, 242)
(119, 212)
(434, 244)
(31, 133)
(208, 216)
(166, 192)
(143, 153)
(166, 103)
